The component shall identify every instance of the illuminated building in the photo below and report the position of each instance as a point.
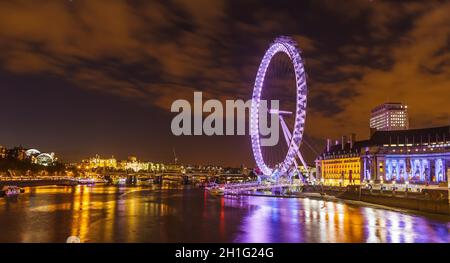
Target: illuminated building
(137, 166)
(28, 155)
(389, 117)
(97, 162)
(45, 159)
(132, 164)
(3, 152)
(155, 167)
(174, 168)
(17, 153)
(340, 164)
(204, 169)
(419, 156)
(244, 170)
(32, 152)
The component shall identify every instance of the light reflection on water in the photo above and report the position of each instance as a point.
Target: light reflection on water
(173, 214)
(306, 220)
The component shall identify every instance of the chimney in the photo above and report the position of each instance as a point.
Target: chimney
(343, 142)
(328, 145)
(352, 140)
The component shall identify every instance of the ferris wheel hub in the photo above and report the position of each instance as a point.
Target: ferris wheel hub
(280, 112)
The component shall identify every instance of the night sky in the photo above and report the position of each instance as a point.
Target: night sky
(85, 77)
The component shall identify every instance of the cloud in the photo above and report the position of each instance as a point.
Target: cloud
(417, 74)
(156, 52)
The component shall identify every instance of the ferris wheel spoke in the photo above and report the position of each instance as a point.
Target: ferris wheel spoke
(288, 137)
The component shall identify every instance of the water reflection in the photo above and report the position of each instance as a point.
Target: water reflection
(172, 213)
(297, 220)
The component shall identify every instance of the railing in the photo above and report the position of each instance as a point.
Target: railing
(237, 188)
(35, 178)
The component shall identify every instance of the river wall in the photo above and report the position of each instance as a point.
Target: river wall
(27, 183)
(430, 201)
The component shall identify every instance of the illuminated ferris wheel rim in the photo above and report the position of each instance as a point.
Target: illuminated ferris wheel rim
(288, 46)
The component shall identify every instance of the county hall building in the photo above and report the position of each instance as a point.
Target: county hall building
(401, 155)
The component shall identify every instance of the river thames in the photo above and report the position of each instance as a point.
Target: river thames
(184, 214)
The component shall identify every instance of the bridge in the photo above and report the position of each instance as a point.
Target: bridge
(176, 176)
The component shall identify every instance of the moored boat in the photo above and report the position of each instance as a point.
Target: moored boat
(88, 181)
(216, 191)
(145, 182)
(68, 183)
(119, 181)
(11, 190)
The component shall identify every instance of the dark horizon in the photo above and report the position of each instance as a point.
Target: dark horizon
(80, 78)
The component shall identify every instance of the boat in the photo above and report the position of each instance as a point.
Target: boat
(145, 182)
(209, 186)
(87, 181)
(216, 191)
(68, 183)
(9, 190)
(120, 181)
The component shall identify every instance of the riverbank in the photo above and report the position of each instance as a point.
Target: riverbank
(434, 202)
(431, 201)
(37, 182)
(328, 198)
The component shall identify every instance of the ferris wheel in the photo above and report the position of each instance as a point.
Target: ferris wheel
(292, 135)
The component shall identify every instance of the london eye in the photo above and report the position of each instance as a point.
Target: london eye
(281, 76)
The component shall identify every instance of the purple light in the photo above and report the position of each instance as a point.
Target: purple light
(289, 47)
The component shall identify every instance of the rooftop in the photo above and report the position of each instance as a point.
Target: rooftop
(388, 105)
(380, 138)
